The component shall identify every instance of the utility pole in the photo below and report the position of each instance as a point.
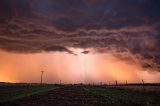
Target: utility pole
(116, 83)
(42, 76)
(143, 84)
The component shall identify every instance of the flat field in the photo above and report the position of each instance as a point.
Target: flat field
(78, 95)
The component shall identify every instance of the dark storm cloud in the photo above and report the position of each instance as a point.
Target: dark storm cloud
(85, 52)
(127, 28)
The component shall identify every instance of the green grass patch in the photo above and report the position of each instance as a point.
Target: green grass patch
(25, 91)
(126, 97)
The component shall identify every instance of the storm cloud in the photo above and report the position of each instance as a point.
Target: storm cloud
(129, 29)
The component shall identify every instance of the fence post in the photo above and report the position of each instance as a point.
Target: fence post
(142, 81)
(116, 83)
(100, 83)
(60, 82)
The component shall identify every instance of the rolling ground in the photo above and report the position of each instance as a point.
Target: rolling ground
(80, 95)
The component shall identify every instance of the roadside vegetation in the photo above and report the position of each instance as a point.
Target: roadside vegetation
(11, 92)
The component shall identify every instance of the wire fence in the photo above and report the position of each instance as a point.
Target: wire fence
(152, 81)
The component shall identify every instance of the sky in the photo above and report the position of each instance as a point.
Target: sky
(79, 40)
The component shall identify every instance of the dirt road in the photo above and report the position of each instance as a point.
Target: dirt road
(66, 96)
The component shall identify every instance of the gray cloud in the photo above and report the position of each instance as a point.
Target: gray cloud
(129, 28)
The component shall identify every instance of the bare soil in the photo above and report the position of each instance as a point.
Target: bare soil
(66, 96)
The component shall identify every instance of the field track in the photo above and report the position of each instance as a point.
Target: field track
(62, 97)
(90, 96)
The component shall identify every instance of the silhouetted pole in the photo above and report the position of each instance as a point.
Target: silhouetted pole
(100, 83)
(126, 82)
(42, 76)
(116, 82)
(143, 84)
(60, 82)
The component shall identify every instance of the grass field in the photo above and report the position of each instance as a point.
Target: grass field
(11, 92)
(78, 95)
(120, 96)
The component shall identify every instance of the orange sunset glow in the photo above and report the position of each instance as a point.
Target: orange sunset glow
(69, 68)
